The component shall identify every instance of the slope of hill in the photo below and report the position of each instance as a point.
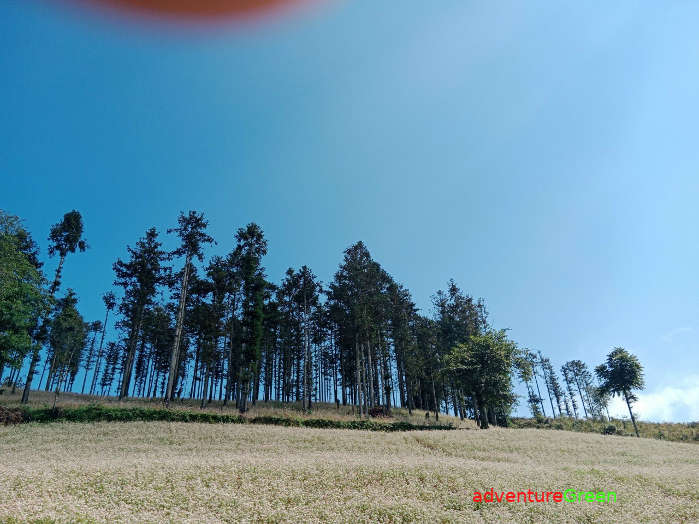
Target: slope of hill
(154, 471)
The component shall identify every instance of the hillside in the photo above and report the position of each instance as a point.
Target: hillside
(119, 472)
(260, 409)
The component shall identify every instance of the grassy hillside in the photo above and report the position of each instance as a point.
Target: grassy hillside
(261, 409)
(154, 471)
(293, 413)
(658, 430)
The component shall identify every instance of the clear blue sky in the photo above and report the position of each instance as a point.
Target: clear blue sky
(543, 154)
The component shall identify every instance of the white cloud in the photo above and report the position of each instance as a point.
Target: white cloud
(670, 335)
(677, 403)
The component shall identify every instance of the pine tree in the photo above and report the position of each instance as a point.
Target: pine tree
(109, 303)
(65, 237)
(191, 231)
(66, 340)
(140, 277)
(568, 379)
(92, 328)
(251, 247)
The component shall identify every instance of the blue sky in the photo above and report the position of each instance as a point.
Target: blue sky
(542, 154)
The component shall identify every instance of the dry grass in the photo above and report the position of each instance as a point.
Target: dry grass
(157, 471)
(273, 409)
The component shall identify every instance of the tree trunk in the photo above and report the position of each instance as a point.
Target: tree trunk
(582, 399)
(57, 278)
(548, 390)
(434, 398)
(633, 419)
(541, 400)
(99, 355)
(306, 357)
(174, 357)
(206, 385)
(89, 361)
(128, 365)
(30, 375)
(481, 411)
(358, 382)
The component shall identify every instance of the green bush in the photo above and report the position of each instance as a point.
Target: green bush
(609, 430)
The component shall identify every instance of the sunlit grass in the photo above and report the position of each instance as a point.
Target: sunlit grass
(158, 471)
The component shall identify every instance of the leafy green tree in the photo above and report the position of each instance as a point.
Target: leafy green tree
(620, 375)
(191, 231)
(23, 300)
(12, 225)
(483, 367)
(20, 250)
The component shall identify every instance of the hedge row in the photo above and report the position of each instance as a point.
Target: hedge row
(97, 413)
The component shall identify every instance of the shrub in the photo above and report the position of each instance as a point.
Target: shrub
(379, 412)
(609, 430)
(11, 416)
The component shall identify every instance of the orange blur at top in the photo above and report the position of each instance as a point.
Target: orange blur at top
(199, 8)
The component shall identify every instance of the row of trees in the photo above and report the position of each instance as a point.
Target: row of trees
(226, 332)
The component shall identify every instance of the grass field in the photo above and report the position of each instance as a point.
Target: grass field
(159, 471)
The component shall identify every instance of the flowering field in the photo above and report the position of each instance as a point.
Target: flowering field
(155, 471)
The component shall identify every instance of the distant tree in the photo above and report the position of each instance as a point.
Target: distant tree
(567, 378)
(140, 277)
(543, 364)
(191, 231)
(94, 328)
(110, 368)
(304, 292)
(620, 375)
(66, 340)
(65, 237)
(581, 377)
(552, 384)
(109, 303)
(534, 361)
(250, 249)
(525, 371)
(401, 311)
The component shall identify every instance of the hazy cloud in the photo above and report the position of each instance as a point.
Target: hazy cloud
(676, 332)
(677, 403)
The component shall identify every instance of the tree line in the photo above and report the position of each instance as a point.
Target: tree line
(219, 329)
